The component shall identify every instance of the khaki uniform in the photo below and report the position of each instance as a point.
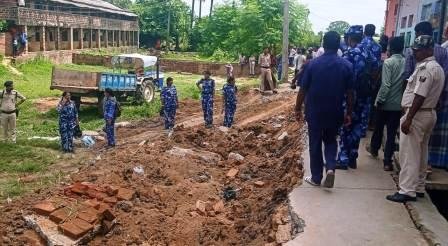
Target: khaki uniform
(8, 103)
(266, 73)
(427, 81)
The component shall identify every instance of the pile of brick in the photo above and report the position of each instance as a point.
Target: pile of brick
(86, 211)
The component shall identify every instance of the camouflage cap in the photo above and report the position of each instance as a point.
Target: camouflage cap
(423, 42)
(354, 30)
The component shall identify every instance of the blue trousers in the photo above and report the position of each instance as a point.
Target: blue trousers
(170, 117)
(110, 132)
(229, 113)
(207, 107)
(327, 136)
(66, 131)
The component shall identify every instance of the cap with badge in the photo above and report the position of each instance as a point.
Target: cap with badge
(355, 30)
(423, 42)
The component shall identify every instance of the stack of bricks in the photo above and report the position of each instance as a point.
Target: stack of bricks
(92, 207)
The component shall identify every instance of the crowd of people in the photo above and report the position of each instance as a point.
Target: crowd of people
(409, 95)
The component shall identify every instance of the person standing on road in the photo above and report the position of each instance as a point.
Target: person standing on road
(207, 87)
(265, 61)
(420, 99)
(110, 110)
(327, 81)
(68, 120)
(351, 135)
(252, 62)
(170, 103)
(8, 106)
(388, 102)
(229, 92)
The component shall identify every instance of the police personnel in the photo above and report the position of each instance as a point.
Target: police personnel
(419, 102)
(9, 102)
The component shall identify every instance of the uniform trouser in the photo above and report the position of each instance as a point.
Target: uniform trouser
(328, 136)
(207, 108)
(266, 76)
(365, 117)
(414, 153)
(66, 131)
(229, 113)
(170, 116)
(390, 119)
(110, 133)
(252, 68)
(8, 122)
(279, 73)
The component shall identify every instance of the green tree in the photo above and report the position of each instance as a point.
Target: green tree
(3, 25)
(124, 4)
(339, 27)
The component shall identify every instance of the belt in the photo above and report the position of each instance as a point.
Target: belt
(8, 112)
(422, 109)
(266, 67)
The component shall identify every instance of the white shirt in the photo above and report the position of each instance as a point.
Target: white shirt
(299, 60)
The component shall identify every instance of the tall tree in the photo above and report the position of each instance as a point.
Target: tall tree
(200, 8)
(211, 7)
(339, 27)
(192, 12)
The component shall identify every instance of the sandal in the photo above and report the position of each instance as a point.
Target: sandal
(310, 181)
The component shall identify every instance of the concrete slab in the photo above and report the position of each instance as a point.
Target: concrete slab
(438, 180)
(355, 212)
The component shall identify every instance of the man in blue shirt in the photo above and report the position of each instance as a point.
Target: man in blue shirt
(327, 81)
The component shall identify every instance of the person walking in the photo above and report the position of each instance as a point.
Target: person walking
(10, 99)
(265, 61)
(170, 103)
(388, 102)
(351, 135)
(68, 120)
(299, 60)
(252, 62)
(279, 67)
(110, 107)
(229, 92)
(438, 145)
(420, 99)
(207, 87)
(327, 81)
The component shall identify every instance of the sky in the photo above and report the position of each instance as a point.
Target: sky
(355, 12)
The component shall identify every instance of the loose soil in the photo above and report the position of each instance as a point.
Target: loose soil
(186, 195)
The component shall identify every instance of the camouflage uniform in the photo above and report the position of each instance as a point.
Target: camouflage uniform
(351, 135)
(207, 94)
(229, 91)
(169, 100)
(110, 105)
(68, 116)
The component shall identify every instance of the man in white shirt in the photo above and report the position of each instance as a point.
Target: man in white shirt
(299, 60)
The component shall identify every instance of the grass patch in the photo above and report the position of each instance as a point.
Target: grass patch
(17, 158)
(85, 68)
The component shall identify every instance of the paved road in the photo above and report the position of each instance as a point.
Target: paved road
(355, 212)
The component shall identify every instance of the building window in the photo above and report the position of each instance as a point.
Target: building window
(64, 35)
(86, 36)
(37, 36)
(94, 35)
(51, 36)
(410, 20)
(404, 22)
(426, 12)
(396, 10)
(408, 39)
(76, 35)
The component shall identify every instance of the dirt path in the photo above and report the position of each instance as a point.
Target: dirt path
(193, 188)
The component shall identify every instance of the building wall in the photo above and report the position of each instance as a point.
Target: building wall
(391, 17)
(431, 10)
(407, 19)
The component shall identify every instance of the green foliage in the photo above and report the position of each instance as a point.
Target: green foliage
(339, 27)
(3, 26)
(250, 27)
(124, 4)
(20, 158)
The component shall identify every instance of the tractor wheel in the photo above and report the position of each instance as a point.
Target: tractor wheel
(147, 91)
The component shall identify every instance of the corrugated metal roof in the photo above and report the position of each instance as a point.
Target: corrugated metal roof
(97, 4)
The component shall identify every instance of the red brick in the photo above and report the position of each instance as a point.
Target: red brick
(102, 207)
(125, 194)
(44, 208)
(109, 215)
(112, 190)
(60, 215)
(75, 228)
(92, 203)
(92, 193)
(79, 188)
(89, 215)
(111, 200)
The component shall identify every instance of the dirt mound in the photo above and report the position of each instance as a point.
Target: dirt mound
(201, 186)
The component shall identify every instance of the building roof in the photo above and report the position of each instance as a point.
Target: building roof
(98, 5)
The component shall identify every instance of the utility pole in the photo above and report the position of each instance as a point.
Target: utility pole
(211, 8)
(192, 12)
(200, 8)
(168, 28)
(285, 63)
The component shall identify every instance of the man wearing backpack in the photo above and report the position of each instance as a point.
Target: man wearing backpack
(112, 110)
(9, 102)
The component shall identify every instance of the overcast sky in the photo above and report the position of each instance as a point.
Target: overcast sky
(323, 12)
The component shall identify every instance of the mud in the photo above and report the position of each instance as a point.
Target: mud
(182, 197)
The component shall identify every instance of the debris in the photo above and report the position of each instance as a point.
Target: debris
(125, 206)
(277, 125)
(142, 143)
(111, 200)
(259, 183)
(232, 173)
(139, 170)
(125, 194)
(88, 141)
(229, 193)
(45, 138)
(219, 207)
(202, 177)
(262, 136)
(112, 190)
(108, 214)
(223, 129)
(283, 234)
(207, 156)
(100, 138)
(90, 133)
(235, 156)
(44, 208)
(283, 136)
(201, 207)
(250, 136)
(75, 228)
(124, 124)
(98, 158)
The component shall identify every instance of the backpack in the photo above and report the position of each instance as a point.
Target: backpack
(117, 112)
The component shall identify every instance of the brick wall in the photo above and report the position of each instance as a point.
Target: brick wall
(2, 43)
(57, 57)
